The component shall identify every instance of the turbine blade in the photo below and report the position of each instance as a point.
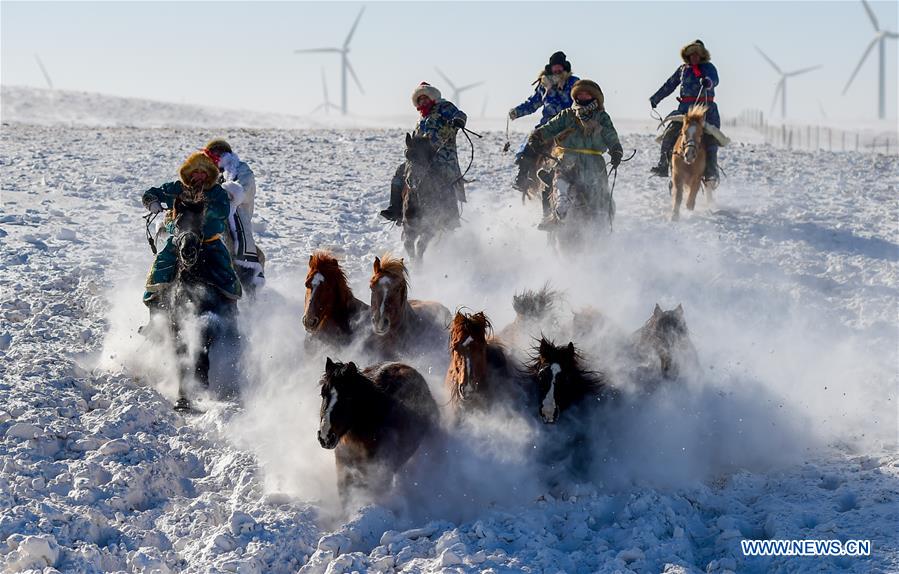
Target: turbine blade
(889, 34)
(469, 86)
(44, 71)
(769, 60)
(346, 43)
(871, 16)
(860, 62)
(319, 51)
(352, 72)
(780, 86)
(802, 71)
(445, 79)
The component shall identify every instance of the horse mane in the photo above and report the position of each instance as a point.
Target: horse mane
(696, 113)
(587, 380)
(394, 268)
(325, 263)
(531, 303)
(463, 323)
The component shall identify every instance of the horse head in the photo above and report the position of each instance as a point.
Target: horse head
(468, 355)
(667, 332)
(326, 290)
(531, 304)
(389, 294)
(419, 157)
(561, 381)
(341, 386)
(691, 132)
(188, 235)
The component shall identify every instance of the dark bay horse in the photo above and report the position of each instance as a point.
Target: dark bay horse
(332, 314)
(402, 326)
(429, 199)
(374, 420)
(480, 375)
(663, 346)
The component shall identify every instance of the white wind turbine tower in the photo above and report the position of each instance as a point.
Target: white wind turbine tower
(879, 38)
(782, 83)
(457, 91)
(326, 103)
(345, 66)
(40, 64)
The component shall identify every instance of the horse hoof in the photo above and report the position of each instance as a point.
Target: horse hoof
(182, 405)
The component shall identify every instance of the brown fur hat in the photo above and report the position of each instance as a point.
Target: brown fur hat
(591, 88)
(695, 46)
(199, 161)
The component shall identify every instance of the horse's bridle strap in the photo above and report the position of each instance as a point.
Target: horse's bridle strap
(215, 237)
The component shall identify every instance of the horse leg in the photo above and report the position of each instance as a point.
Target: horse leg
(691, 193)
(201, 367)
(182, 404)
(676, 199)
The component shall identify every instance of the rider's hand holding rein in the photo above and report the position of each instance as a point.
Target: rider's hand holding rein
(155, 208)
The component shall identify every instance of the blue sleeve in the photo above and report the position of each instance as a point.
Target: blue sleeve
(164, 194)
(711, 72)
(449, 112)
(530, 105)
(668, 87)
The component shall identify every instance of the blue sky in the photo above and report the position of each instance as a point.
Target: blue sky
(240, 54)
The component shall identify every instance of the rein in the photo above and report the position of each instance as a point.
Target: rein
(150, 218)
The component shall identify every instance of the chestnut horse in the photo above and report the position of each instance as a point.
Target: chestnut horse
(688, 161)
(402, 326)
(480, 375)
(332, 314)
(374, 420)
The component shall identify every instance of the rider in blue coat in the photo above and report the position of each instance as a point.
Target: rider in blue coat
(697, 78)
(553, 94)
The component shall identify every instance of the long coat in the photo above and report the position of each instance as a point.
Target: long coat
(690, 87)
(438, 126)
(551, 97)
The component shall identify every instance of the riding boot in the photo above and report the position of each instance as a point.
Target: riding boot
(546, 179)
(710, 177)
(394, 211)
(668, 140)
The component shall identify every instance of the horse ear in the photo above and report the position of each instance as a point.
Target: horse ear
(311, 257)
(376, 268)
(679, 311)
(329, 366)
(657, 311)
(408, 139)
(571, 348)
(351, 368)
(544, 345)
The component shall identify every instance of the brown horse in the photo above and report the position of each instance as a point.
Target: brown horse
(663, 346)
(374, 420)
(480, 374)
(688, 161)
(332, 314)
(562, 381)
(402, 326)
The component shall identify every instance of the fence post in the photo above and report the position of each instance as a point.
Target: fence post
(856, 141)
(829, 139)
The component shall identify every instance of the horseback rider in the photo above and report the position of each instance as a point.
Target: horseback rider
(247, 258)
(198, 182)
(553, 92)
(440, 122)
(697, 78)
(580, 134)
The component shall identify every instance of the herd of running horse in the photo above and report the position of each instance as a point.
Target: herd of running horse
(376, 417)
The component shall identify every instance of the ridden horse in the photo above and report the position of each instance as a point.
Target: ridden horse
(374, 420)
(663, 345)
(401, 326)
(429, 202)
(189, 296)
(480, 375)
(332, 314)
(688, 161)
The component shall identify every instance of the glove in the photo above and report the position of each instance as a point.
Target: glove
(513, 114)
(155, 208)
(653, 103)
(707, 83)
(458, 123)
(616, 159)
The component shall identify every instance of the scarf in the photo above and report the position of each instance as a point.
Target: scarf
(425, 109)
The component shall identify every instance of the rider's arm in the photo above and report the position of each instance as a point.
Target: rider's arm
(711, 72)
(530, 105)
(165, 194)
(558, 124)
(668, 87)
(609, 134)
(218, 205)
(449, 112)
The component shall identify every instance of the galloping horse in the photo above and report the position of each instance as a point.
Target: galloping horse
(663, 345)
(402, 326)
(535, 314)
(374, 420)
(480, 374)
(688, 161)
(332, 314)
(429, 202)
(190, 296)
(563, 383)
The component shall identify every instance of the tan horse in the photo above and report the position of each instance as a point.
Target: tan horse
(402, 326)
(332, 314)
(688, 161)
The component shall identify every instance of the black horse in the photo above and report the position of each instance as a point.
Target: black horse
(189, 298)
(429, 202)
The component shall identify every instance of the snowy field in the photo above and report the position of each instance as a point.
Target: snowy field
(790, 290)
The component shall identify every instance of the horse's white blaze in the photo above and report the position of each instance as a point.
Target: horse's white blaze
(384, 283)
(549, 401)
(467, 341)
(317, 280)
(326, 418)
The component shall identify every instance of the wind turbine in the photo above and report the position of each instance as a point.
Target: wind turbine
(782, 83)
(879, 38)
(457, 91)
(44, 71)
(345, 66)
(326, 103)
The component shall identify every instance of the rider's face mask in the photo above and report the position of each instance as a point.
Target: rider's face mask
(583, 100)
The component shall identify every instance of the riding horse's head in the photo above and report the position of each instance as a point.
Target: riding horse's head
(342, 387)
(468, 355)
(188, 236)
(667, 331)
(561, 381)
(326, 288)
(389, 294)
(691, 132)
(419, 156)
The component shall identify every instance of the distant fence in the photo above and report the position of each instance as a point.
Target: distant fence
(816, 137)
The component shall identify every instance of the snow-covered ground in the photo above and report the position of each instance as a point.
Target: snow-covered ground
(790, 290)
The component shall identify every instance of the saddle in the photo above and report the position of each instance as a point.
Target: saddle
(710, 129)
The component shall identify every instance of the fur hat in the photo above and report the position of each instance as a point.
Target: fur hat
(199, 161)
(591, 88)
(219, 146)
(558, 58)
(425, 89)
(695, 46)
